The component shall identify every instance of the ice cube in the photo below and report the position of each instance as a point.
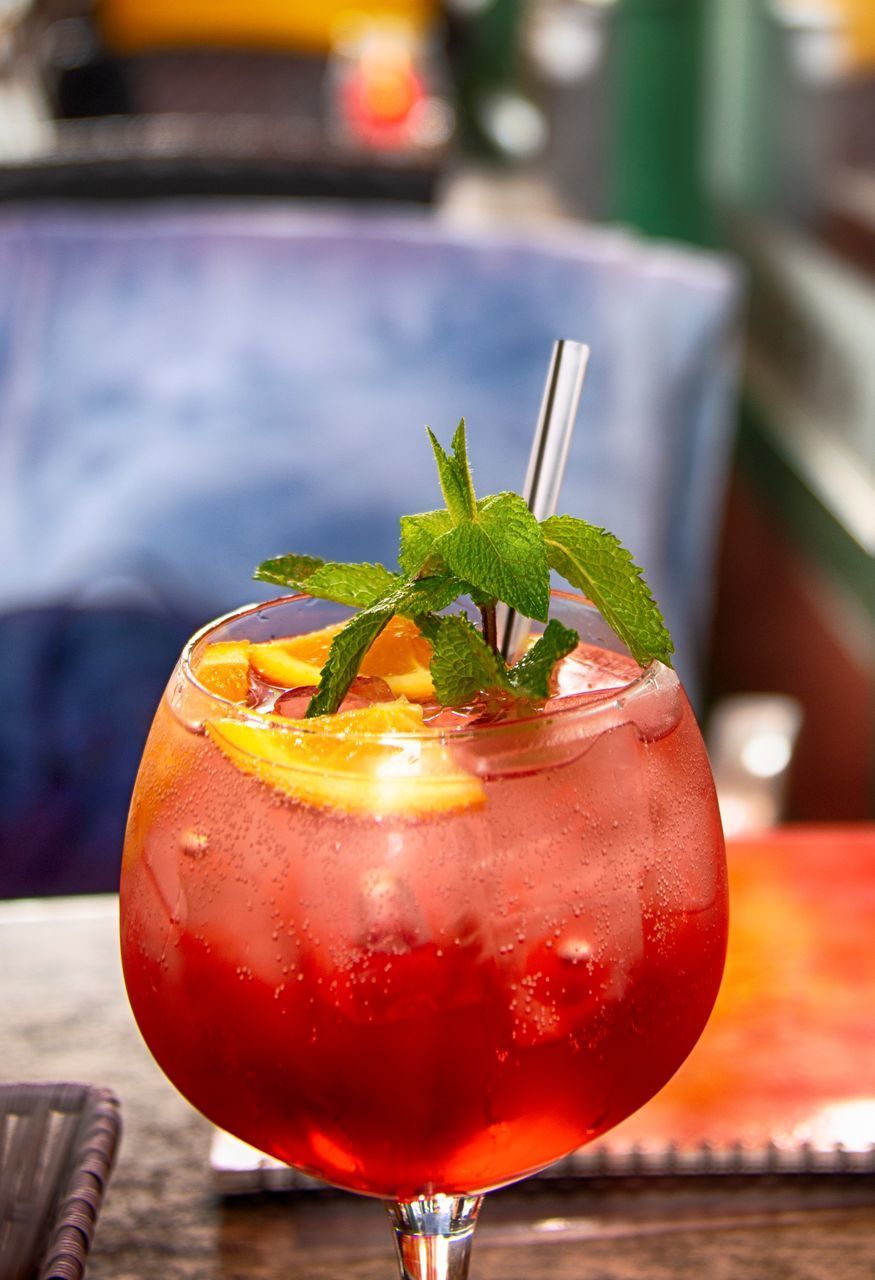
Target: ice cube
(294, 702)
(655, 708)
(366, 690)
(572, 976)
(363, 692)
(438, 717)
(500, 707)
(590, 670)
(391, 919)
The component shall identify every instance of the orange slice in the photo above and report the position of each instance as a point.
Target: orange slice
(276, 665)
(400, 654)
(352, 761)
(223, 668)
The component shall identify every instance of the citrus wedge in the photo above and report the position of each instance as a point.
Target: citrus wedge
(400, 654)
(351, 761)
(273, 663)
(223, 668)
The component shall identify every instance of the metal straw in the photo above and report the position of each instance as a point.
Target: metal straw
(547, 459)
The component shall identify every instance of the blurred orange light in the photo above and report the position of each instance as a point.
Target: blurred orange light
(388, 93)
(381, 91)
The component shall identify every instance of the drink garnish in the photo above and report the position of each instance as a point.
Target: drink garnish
(358, 585)
(223, 668)
(400, 656)
(491, 550)
(353, 762)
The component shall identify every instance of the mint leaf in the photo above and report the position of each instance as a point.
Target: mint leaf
(531, 675)
(500, 552)
(349, 646)
(358, 585)
(418, 536)
(462, 663)
(455, 475)
(288, 571)
(422, 596)
(596, 563)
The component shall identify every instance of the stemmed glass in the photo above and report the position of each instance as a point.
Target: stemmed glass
(422, 965)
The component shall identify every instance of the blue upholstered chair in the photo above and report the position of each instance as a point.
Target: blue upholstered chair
(184, 391)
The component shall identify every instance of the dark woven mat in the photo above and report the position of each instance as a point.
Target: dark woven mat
(57, 1146)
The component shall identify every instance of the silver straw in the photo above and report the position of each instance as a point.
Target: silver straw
(547, 459)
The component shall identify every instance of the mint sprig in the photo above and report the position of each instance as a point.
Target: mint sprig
(490, 550)
(596, 563)
(462, 662)
(531, 675)
(419, 534)
(358, 585)
(455, 475)
(412, 599)
(500, 552)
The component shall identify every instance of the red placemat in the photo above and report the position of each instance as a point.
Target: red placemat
(784, 1074)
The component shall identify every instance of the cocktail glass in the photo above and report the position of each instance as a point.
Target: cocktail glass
(423, 965)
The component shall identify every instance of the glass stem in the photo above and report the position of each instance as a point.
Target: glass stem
(433, 1236)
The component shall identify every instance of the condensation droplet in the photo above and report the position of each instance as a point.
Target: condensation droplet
(194, 844)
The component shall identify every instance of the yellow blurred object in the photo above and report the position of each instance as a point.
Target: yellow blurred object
(310, 26)
(860, 18)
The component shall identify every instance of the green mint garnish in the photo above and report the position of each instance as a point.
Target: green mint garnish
(489, 550)
(418, 537)
(455, 475)
(494, 545)
(413, 599)
(462, 663)
(597, 564)
(500, 552)
(288, 571)
(531, 675)
(358, 585)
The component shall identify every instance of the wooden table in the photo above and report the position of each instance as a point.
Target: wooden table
(64, 1016)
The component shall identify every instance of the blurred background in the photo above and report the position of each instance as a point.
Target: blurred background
(248, 249)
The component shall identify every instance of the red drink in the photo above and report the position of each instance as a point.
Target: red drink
(441, 991)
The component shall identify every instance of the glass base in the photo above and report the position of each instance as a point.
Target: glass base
(433, 1235)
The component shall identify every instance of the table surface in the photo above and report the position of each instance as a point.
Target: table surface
(64, 1016)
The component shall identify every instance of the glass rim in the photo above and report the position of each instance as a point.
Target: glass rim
(583, 706)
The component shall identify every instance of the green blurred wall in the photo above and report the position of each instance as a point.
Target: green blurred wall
(659, 91)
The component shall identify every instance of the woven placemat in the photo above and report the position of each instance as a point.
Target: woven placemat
(57, 1147)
